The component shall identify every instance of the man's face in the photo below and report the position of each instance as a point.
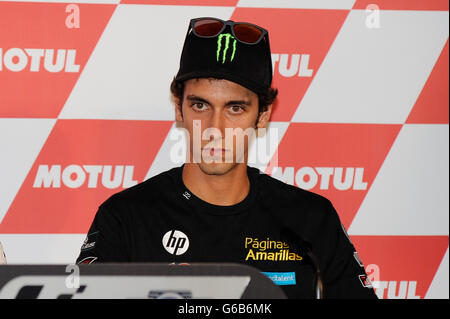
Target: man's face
(219, 115)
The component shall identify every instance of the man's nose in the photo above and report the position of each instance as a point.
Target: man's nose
(217, 121)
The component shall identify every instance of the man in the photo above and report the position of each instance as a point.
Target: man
(216, 208)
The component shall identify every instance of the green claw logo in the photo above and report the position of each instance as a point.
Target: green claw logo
(227, 37)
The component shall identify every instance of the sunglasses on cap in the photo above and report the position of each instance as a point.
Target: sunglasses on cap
(211, 27)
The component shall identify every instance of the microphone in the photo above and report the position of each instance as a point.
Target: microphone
(303, 247)
(2, 255)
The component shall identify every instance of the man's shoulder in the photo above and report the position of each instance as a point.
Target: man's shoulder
(153, 188)
(275, 188)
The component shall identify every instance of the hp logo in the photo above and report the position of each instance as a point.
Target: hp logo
(175, 242)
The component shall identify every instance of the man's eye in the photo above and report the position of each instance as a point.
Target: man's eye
(236, 109)
(199, 106)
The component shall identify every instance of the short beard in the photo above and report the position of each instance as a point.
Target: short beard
(217, 168)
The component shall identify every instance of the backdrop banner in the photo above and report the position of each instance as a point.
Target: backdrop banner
(362, 118)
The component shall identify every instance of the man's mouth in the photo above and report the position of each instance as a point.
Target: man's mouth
(215, 150)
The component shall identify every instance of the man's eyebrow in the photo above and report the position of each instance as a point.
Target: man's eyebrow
(233, 102)
(196, 98)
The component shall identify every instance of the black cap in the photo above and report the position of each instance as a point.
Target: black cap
(224, 57)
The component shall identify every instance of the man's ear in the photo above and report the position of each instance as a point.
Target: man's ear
(264, 117)
(178, 110)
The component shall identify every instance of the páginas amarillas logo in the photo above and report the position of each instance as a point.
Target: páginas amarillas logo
(267, 249)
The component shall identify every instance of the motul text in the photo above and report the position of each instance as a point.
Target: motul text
(16, 60)
(289, 65)
(389, 290)
(343, 178)
(75, 176)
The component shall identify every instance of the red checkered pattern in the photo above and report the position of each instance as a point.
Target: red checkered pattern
(362, 118)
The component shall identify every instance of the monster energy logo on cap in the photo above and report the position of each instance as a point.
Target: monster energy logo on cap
(227, 37)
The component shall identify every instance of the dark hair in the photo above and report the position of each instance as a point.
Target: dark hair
(264, 99)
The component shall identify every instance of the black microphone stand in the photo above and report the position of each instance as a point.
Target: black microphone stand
(318, 282)
(305, 248)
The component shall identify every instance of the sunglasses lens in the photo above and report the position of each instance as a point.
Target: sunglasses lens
(208, 27)
(247, 33)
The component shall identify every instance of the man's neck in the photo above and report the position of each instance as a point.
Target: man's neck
(225, 190)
